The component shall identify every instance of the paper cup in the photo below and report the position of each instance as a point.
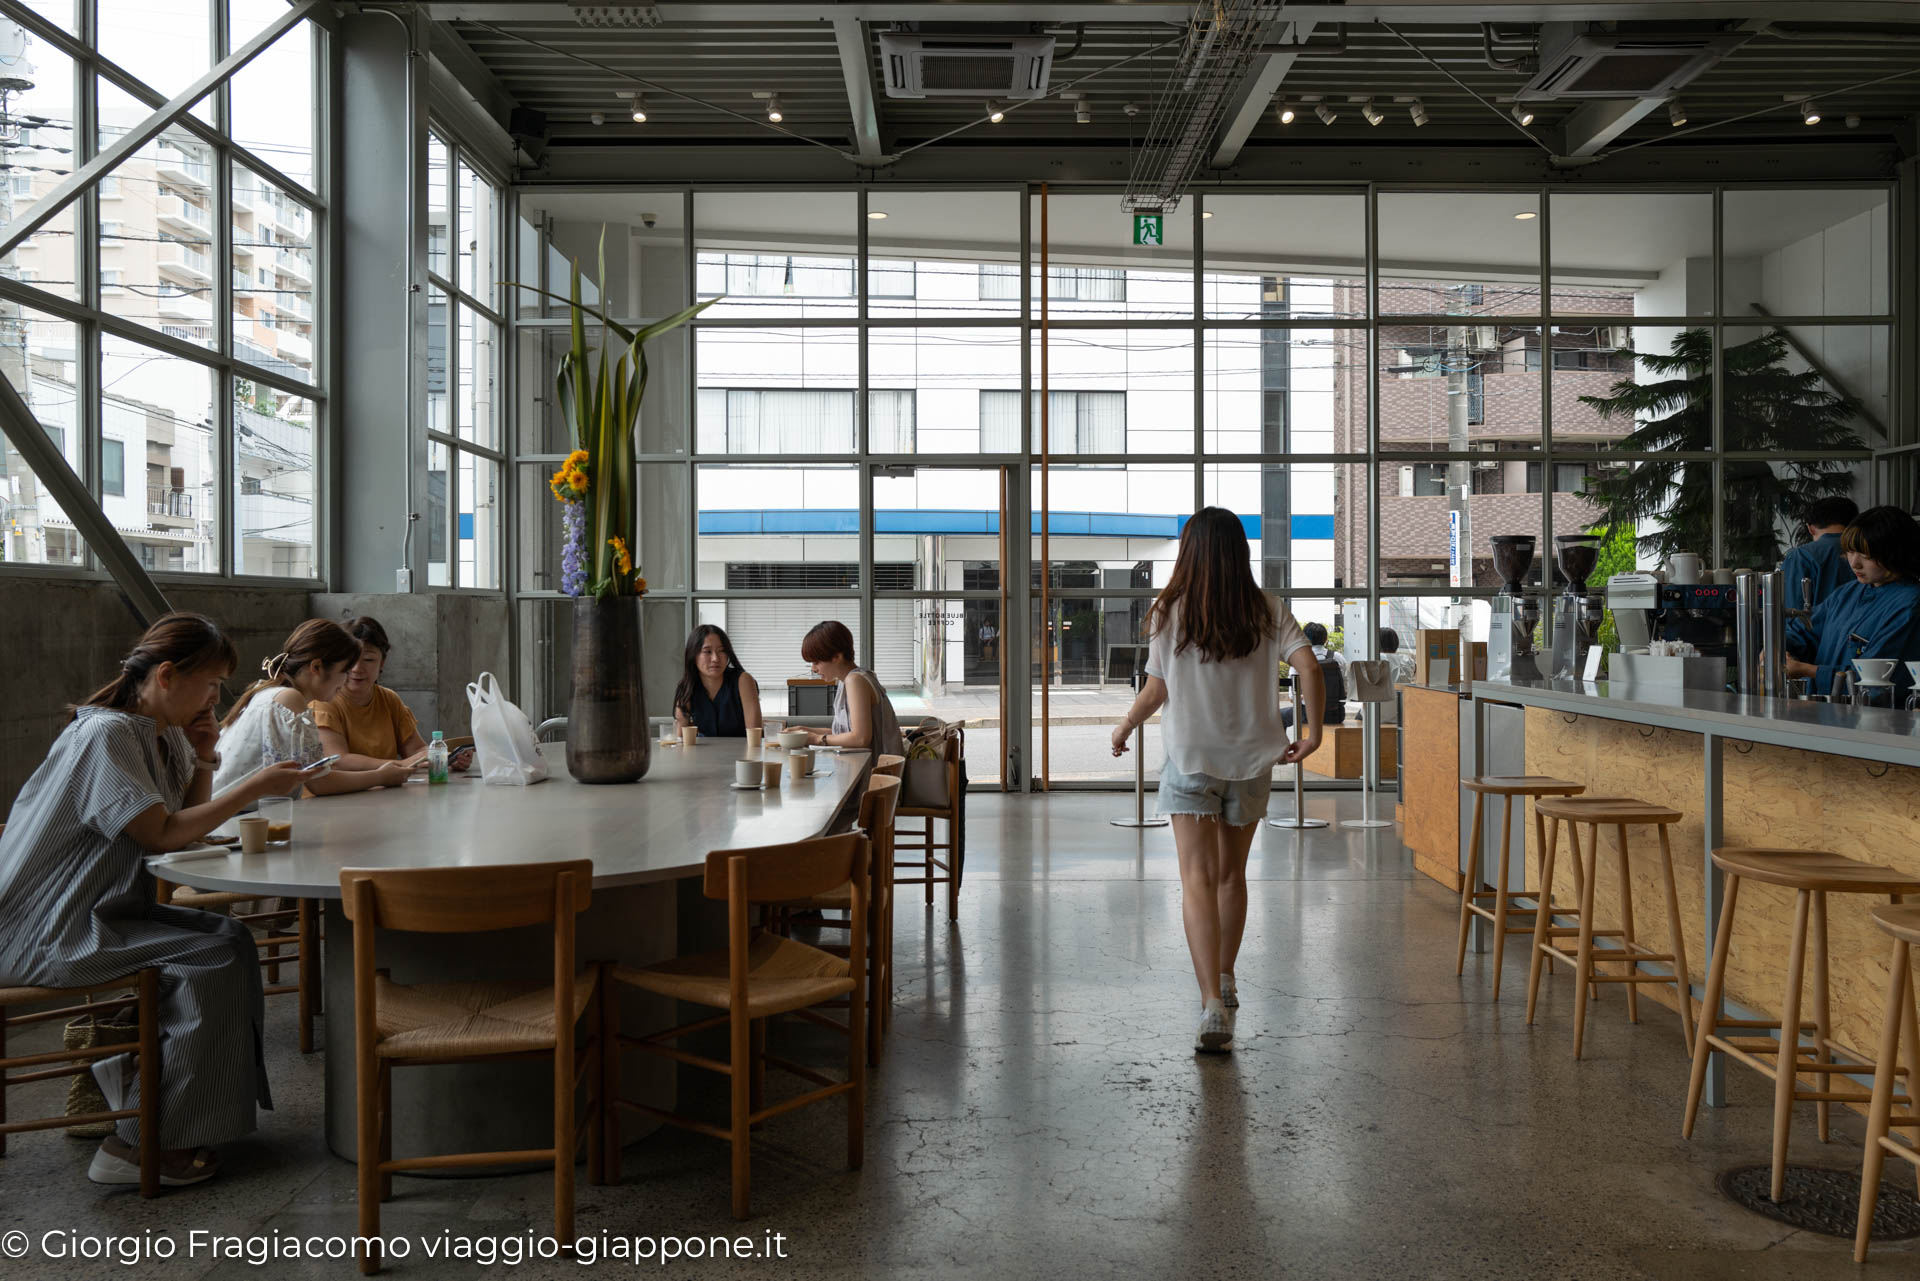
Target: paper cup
(753, 742)
(746, 773)
(770, 772)
(253, 834)
(687, 734)
(802, 762)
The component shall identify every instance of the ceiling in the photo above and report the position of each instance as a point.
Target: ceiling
(823, 60)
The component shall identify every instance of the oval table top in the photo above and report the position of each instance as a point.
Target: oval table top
(658, 829)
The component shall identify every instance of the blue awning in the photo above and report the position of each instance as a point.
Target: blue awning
(923, 521)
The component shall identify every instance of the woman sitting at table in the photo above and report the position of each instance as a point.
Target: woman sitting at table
(271, 722)
(366, 724)
(1877, 615)
(862, 714)
(130, 775)
(716, 694)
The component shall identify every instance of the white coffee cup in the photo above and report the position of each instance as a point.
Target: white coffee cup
(792, 738)
(801, 759)
(746, 773)
(1683, 567)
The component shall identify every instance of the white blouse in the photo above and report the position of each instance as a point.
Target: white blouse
(265, 733)
(1223, 719)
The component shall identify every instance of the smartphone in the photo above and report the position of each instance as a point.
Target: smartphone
(324, 760)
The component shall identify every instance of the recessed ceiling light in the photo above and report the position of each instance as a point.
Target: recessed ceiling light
(1205, 214)
(1809, 113)
(876, 214)
(1676, 114)
(1523, 113)
(1526, 215)
(1284, 112)
(1327, 114)
(995, 112)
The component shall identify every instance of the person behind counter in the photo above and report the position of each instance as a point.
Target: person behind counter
(863, 715)
(366, 724)
(1819, 561)
(716, 694)
(1877, 615)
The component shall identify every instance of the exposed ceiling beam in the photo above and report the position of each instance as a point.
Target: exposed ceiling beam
(1591, 127)
(1140, 11)
(467, 67)
(1256, 91)
(857, 69)
(807, 11)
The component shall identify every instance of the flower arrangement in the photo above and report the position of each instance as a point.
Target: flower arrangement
(600, 395)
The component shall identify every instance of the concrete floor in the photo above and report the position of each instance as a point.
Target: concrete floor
(1041, 1112)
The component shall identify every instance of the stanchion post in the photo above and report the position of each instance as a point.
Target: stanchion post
(1139, 818)
(1298, 820)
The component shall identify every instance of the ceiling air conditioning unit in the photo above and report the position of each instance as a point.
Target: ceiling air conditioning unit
(1576, 62)
(966, 63)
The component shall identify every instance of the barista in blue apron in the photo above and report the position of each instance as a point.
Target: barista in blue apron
(1819, 562)
(1877, 615)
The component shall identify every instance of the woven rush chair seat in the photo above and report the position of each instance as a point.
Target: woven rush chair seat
(782, 975)
(452, 1019)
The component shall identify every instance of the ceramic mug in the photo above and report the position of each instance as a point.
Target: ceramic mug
(1683, 567)
(746, 773)
(253, 834)
(792, 738)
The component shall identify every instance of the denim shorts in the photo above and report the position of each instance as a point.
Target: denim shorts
(1235, 801)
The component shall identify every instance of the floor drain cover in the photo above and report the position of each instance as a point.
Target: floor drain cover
(1825, 1201)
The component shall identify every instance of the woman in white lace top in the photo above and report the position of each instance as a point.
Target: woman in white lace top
(271, 722)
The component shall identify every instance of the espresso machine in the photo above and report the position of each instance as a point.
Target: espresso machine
(1576, 623)
(1510, 653)
(1705, 616)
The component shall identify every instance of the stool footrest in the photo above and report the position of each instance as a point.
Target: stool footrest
(1631, 978)
(1762, 1023)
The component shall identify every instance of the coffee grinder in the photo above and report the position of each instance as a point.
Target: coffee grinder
(1510, 654)
(1576, 623)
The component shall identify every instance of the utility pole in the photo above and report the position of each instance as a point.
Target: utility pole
(1459, 471)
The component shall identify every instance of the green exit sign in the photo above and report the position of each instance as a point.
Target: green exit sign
(1146, 230)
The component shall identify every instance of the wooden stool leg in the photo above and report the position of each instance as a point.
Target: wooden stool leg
(1545, 899)
(1710, 1006)
(1469, 882)
(1682, 976)
(1627, 937)
(1500, 894)
(1898, 1010)
(1542, 919)
(1584, 977)
(1911, 1057)
(1784, 1077)
(1822, 1022)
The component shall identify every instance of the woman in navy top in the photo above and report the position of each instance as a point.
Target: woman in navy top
(716, 694)
(1881, 606)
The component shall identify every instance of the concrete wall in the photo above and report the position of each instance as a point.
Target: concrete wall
(440, 642)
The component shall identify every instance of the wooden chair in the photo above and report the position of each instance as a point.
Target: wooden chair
(146, 1001)
(305, 941)
(1506, 788)
(1812, 875)
(760, 975)
(876, 821)
(1899, 1023)
(409, 1025)
(1619, 813)
(937, 870)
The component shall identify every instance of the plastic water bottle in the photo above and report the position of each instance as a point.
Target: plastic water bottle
(437, 758)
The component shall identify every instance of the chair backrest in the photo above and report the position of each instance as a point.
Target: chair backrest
(889, 766)
(781, 873)
(466, 900)
(877, 809)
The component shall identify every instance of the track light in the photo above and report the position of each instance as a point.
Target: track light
(1327, 114)
(1371, 113)
(1853, 122)
(995, 112)
(638, 109)
(1523, 113)
(1676, 114)
(774, 114)
(1082, 112)
(597, 118)
(1284, 112)
(1809, 113)
(1417, 112)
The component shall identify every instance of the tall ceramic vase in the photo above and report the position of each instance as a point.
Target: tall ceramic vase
(607, 735)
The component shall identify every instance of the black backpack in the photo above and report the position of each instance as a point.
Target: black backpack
(1336, 683)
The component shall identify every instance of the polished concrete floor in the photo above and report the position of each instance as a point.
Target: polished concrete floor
(1041, 1113)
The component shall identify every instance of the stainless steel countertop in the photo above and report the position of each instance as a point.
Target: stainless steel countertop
(658, 829)
(1865, 733)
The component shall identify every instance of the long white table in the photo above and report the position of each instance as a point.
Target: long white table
(645, 840)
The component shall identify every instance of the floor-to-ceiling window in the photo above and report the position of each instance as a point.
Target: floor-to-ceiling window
(1369, 377)
(164, 327)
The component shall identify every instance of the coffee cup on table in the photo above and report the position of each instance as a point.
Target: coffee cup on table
(753, 742)
(253, 834)
(793, 738)
(746, 773)
(687, 734)
(770, 771)
(801, 759)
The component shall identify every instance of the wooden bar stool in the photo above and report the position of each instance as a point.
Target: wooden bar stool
(1619, 813)
(1812, 875)
(1900, 1023)
(1507, 788)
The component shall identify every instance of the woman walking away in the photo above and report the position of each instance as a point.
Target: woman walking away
(1215, 645)
(132, 775)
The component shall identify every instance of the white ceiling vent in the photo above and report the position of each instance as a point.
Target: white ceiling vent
(921, 65)
(1577, 63)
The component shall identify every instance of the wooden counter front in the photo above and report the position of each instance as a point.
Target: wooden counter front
(1430, 781)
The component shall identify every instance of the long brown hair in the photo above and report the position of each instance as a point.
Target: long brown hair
(317, 638)
(1221, 610)
(189, 641)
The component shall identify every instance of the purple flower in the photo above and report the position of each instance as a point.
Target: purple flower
(573, 556)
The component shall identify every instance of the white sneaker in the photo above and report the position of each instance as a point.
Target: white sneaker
(1229, 994)
(1216, 1034)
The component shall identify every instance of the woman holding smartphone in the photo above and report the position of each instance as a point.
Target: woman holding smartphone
(1215, 642)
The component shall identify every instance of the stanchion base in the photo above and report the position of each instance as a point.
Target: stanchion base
(1138, 822)
(1368, 822)
(1295, 823)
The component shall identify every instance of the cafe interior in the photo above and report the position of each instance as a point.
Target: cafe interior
(644, 616)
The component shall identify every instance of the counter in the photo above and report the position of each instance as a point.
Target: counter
(1745, 771)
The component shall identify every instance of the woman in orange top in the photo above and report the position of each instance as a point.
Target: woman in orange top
(367, 723)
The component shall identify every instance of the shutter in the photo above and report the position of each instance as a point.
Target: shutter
(897, 645)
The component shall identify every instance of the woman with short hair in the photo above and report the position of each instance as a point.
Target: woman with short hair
(863, 716)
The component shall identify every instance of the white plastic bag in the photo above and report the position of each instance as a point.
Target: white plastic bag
(503, 741)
